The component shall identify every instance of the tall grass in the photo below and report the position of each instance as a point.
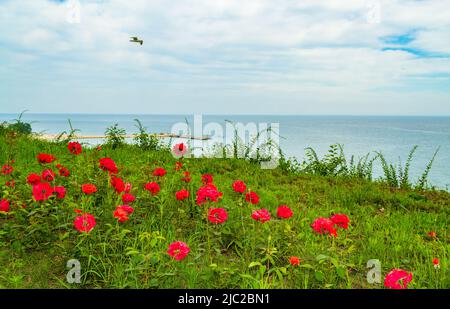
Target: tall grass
(66, 136)
(397, 176)
(17, 127)
(335, 164)
(115, 136)
(145, 140)
(258, 149)
(423, 181)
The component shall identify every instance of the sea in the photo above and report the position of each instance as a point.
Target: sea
(394, 136)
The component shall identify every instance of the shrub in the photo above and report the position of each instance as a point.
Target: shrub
(115, 136)
(18, 127)
(145, 140)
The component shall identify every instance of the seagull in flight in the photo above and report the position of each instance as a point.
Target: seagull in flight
(135, 39)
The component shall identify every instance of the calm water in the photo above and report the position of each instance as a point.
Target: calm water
(394, 136)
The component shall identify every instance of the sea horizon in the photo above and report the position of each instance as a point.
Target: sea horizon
(232, 114)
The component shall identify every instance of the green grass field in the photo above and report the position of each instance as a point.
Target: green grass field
(38, 238)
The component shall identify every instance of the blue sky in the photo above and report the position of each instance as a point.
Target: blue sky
(375, 57)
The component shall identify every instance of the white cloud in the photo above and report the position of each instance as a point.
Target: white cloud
(305, 50)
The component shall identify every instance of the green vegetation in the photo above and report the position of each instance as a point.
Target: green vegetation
(389, 220)
(17, 127)
(144, 140)
(66, 136)
(115, 136)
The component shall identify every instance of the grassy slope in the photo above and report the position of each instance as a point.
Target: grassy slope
(386, 224)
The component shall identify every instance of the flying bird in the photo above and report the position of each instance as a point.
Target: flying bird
(135, 39)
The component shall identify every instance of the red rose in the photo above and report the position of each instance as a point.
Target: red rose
(60, 191)
(217, 215)
(118, 184)
(45, 158)
(208, 193)
(239, 186)
(178, 250)
(159, 172)
(178, 166)
(122, 212)
(398, 279)
(153, 187)
(340, 220)
(42, 191)
(107, 164)
(182, 194)
(436, 262)
(48, 175)
(127, 208)
(33, 179)
(324, 225)
(64, 172)
(88, 188)
(128, 198)
(127, 187)
(187, 177)
(207, 179)
(295, 261)
(284, 212)
(7, 169)
(4, 205)
(179, 150)
(74, 148)
(84, 223)
(261, 215)
(252, 197)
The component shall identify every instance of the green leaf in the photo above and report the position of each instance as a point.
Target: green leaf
(319, 275)
(153, 282)
(154, 259)
(321, 257)
(279, 275)
(253, 264)
(153, 242)
(247, 276)
(131, 251)
(335, 262)
(341, 272)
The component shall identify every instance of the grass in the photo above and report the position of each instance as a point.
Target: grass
(388, 223)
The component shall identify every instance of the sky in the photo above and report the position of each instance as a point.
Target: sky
(352, 57)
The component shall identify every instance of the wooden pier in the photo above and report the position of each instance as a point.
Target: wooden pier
(158, 135)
